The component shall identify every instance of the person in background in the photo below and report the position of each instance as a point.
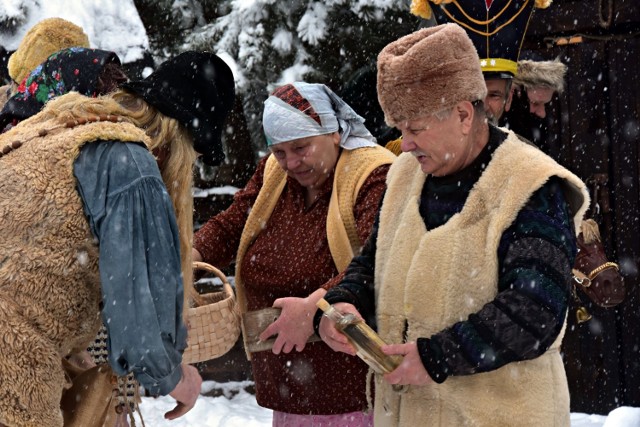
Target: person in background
(497, 29)
(291, 231)
(535, 85)
(95, 196)
(539, 80)
(46, 37)
(466, 272)
(90, 72)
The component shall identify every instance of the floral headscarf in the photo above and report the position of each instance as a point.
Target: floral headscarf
(74, 69)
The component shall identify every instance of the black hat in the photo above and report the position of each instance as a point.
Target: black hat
(496, 28)
(198, 90)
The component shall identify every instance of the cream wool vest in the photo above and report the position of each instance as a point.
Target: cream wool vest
(49, 266)
(431, 279)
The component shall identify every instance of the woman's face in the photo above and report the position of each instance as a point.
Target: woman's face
(309, 160)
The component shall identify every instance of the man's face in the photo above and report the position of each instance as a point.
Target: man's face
(538, 97)
(440, 146)
(498, 98)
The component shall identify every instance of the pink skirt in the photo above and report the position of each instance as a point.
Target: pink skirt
(351, 419)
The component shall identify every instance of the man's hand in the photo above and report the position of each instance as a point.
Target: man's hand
(186, 392)
(411, 371)
(295, 324)
(334, 338)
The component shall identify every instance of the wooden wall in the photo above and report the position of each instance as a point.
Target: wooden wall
(595, 132)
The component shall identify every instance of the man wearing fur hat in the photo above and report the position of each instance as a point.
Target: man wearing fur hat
(534, 87)
(539, 80)
(466, 271)
(497, 29)
(96, 219)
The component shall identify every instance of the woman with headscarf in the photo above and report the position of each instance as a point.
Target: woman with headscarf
(90, 72)
(292, 230)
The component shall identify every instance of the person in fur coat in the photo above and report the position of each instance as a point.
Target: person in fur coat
(466, 272)
(96, 218)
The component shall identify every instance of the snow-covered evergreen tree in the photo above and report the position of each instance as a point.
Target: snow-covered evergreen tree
(110, 24)
(275, 42)
(271, 41)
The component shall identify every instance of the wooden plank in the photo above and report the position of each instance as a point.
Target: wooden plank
(255, 322)
(592, 370)
(579, 138)
(625, 141)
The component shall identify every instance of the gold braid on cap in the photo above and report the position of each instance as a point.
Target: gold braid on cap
(475, 21)
(421, 8)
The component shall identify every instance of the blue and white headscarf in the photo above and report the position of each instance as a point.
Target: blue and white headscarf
(301, 110)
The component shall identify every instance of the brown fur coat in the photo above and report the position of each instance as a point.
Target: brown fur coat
(49, 283)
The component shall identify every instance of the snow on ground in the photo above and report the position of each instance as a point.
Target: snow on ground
(206, 192)
(235, 408)
(238, 408)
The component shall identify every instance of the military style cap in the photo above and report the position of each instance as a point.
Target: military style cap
(496, 28)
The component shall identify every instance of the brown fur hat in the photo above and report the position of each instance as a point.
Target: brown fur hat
(541, 73)
(428, 71)
(46, 37)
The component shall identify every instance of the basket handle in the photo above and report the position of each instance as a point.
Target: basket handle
(228, 290)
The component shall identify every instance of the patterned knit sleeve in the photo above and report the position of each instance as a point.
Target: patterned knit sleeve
(535, 257)
(218, 239)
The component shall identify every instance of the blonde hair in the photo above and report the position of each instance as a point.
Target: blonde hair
(164, 132)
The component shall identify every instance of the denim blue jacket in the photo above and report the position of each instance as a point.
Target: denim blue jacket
(132, 218)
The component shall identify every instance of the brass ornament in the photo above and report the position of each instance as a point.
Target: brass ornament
(582, 315)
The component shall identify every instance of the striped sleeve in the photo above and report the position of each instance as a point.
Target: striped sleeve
(535, 257)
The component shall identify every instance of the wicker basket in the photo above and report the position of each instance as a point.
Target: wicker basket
(214, 326)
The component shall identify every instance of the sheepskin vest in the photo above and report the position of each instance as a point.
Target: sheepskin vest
(352, 170)
(48, 257)
(427, 280)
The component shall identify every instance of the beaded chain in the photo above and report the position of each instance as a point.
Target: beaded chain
(14, 145)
